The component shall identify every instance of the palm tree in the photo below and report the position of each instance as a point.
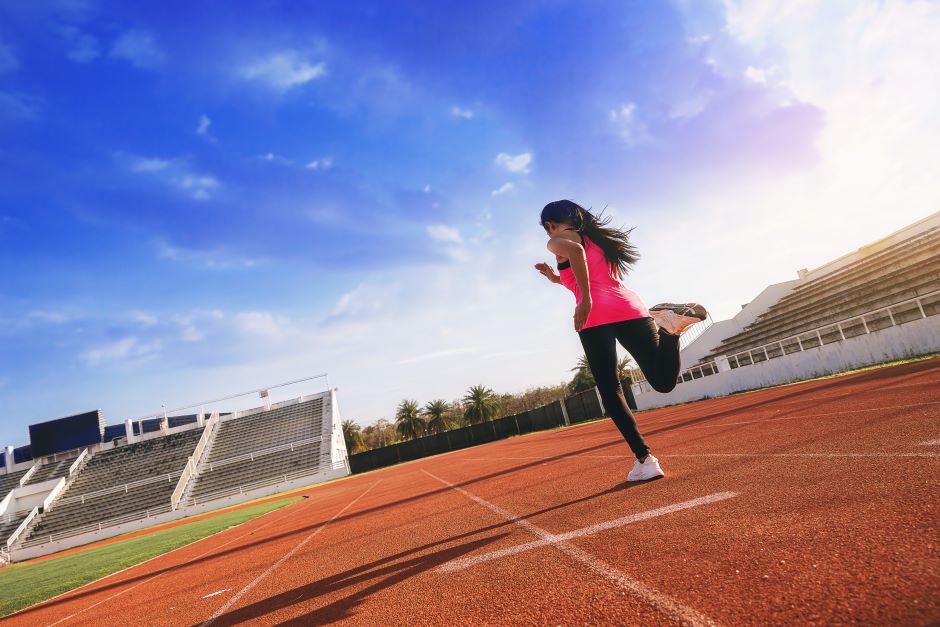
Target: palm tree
(352, 434)
(408, 421)
(584, 378)
(435, 412)
(480, 404)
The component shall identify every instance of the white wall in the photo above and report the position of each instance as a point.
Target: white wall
(907, 340)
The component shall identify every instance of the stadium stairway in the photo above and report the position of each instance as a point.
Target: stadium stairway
(51, 470)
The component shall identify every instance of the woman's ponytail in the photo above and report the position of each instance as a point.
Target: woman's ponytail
(618, 249)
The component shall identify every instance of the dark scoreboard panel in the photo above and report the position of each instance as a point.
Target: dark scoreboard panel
(63, 434)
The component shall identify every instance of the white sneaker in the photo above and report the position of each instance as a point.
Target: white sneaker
(671, 322)
(649, 469)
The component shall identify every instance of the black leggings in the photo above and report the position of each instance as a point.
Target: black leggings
(655, 352)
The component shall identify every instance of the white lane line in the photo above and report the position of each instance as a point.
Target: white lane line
(931, 443)
(160, 574)
(286, 557)
(466, 562)
(215, 594)
(668, 455)
(655, 598)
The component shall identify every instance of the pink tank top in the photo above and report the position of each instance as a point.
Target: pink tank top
(611, 301)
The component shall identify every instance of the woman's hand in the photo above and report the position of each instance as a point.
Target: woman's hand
(549, 273)
(581, 313)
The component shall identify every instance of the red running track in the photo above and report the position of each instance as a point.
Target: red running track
(808, 503)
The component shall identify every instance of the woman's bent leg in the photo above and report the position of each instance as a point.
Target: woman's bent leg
(656, 352)
(600, 348)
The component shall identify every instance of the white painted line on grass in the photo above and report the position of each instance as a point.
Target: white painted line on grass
(286, 557)
(655, 598)
(215, 594)
(466, 562)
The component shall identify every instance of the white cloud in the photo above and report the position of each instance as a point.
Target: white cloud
(126, 350)
(53, 317)
(263, 324)
(427, 188)
(443, 233)
(144, 318)
(204, 123)
(756, 75)
(217, 259)
(448, 352)
(18, 106)
(690, 107)
(627, 124)
(284, 70)
(175, 173)
(82, 47)
(366, 298)
(325, 163)
(458, 112)
(199, 186)
(150, 164)
(8, 60)
(140, 49)
(505, 187)
(515, 163)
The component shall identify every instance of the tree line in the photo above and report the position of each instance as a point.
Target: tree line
(478, 404)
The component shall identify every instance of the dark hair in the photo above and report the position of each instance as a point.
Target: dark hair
(618, 250)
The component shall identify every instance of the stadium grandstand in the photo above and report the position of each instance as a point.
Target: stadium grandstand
(80, 480)
(876, 304)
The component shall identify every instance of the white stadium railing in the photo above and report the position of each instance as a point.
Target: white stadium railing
(29, 473)
(831, 327)
(98, 526)
(190, 470)
(22, 527)
(118, 488)
(78, 463)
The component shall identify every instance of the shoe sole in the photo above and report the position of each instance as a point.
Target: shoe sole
(650, 479)
(689, 310)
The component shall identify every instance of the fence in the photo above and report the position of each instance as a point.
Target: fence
(893, 315)
(571, 410)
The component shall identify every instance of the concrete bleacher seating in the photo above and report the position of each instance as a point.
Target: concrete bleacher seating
(263, 467)
(6, 528)
(255, 433)
(906, 269)
(155, 458)
(51, 470)
(10, 481)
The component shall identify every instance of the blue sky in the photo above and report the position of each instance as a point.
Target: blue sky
(202, 198)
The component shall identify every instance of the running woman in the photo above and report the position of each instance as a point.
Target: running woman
(591, 259)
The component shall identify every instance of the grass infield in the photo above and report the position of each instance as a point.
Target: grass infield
(26, 584)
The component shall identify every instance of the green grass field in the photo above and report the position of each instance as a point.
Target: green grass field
(25, 584)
